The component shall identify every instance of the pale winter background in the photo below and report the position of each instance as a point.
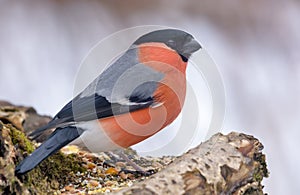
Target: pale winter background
(255, 45)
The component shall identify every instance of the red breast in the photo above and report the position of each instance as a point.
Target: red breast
(131, 128)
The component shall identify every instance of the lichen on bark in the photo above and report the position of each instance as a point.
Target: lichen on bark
(49, 176)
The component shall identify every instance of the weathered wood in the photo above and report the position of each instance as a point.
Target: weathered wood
(225, 164)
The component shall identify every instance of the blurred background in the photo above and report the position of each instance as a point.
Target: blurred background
(255, 44)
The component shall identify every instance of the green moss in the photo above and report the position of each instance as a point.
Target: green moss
(53, 173)
(261, 170)
(20, 139)
(253, 191)
(61, 167)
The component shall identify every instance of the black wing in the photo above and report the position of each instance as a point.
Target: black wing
(91, 108)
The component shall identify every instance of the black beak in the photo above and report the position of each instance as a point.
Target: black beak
(191, 46)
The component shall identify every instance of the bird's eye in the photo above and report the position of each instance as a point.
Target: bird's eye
(171, 43)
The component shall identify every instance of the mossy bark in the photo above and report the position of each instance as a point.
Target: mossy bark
(48, 177)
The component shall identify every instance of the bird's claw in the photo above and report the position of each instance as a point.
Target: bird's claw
(139, 173)
(107, 164)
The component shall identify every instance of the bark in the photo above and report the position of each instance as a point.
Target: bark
(225, 164)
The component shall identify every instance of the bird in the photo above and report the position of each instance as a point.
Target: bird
(139, 94)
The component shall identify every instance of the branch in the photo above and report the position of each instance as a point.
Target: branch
(225, 164)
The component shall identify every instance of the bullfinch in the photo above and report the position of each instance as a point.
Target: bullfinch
(139, 94)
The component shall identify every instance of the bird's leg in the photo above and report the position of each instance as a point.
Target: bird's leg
(130, 162)
(138, 170)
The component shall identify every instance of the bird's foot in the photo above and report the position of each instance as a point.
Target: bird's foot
(107, 164)
(139, 173)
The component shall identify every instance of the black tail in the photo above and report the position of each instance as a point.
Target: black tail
(58, 139)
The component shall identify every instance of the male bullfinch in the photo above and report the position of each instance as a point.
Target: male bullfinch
(135, 97)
